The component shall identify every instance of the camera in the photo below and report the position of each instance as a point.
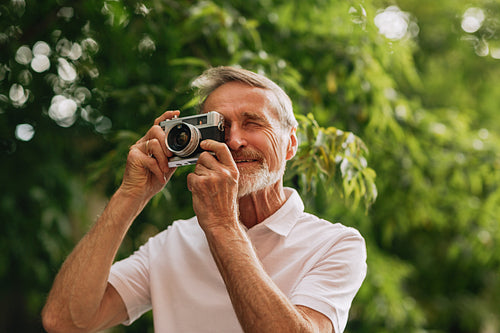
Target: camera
(183, 136)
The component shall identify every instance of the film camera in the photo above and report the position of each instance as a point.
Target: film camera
(183, 136)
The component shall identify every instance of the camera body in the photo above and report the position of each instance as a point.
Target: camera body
(183, 136)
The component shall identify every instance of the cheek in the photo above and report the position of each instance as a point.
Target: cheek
(272, 146)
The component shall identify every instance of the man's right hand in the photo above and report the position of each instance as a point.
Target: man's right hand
(147, 171)
(81, 298)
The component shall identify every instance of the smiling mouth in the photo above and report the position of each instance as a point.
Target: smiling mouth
(248, 156)
(245, 161)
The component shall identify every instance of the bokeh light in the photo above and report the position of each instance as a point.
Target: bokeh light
(103, 124)
(18, 95)
(40, 63)
(66, 71)
(75, 52)
(147, 45)
(41, 48)
(495, 53)
(23, 55)
(472, 19)
(25, 132)
(66, 13)
(90, 45)
(82, 94)
(63, 110)
(395, 24)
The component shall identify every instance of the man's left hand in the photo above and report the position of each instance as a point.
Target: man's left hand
(214, 185)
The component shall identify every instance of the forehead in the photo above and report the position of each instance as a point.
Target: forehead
(234, 99)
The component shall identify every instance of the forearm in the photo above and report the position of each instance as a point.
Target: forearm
(258, 302)
(80, 285)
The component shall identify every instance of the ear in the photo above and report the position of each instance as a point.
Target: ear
(293, 144)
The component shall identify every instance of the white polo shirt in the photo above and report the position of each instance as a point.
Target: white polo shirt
(314, 262)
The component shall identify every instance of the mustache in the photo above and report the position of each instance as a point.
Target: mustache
(247, 154)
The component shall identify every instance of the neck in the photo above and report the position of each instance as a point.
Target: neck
(256, 207)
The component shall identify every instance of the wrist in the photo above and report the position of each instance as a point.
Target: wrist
(124, 206)
(228, 234)
(218, 225)
(131, 192)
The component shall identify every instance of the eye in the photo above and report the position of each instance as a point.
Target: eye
(253, 123)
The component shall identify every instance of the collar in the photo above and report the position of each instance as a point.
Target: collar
(282, 221)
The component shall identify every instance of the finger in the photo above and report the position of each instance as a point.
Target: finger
(152, 165)
(155, 150)
(205, 164)
(220, 149)
(146, 162)
(146, 148)
(190, 180)
(156, 132)
(209, 166)
(202, 183)
(166, 115)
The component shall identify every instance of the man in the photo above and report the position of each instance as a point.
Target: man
(250, 260)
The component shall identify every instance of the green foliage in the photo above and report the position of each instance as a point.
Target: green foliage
(334, 159)
(424, 104)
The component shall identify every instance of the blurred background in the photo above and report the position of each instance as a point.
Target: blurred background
(399, 109)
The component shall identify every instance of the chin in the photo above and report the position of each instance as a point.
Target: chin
(257, 181)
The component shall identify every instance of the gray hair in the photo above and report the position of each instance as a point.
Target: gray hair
(215, 77)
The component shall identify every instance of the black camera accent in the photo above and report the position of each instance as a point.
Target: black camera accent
(183, 136)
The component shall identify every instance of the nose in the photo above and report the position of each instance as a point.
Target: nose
(235, 138)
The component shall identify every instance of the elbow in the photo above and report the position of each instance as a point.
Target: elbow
(53, 323)
(50, 322)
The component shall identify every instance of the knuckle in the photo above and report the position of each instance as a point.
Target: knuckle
(226, 173)
(133, 151)
(205, 158)
(154, 132)
(153, 142)
(202, 158)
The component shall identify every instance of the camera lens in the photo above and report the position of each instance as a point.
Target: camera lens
(183, 139)
(180, 137)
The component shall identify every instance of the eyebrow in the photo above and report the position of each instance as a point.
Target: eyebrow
(254, 116)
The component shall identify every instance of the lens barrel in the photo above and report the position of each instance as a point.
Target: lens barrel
(183, 139)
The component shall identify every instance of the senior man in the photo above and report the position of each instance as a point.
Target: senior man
(250, 260)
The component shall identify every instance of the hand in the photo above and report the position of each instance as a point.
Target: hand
(147, 171)
(214, 185)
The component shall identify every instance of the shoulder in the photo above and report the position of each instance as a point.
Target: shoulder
(311, 224)
(329, 239)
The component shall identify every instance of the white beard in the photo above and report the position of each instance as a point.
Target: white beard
(258, 179)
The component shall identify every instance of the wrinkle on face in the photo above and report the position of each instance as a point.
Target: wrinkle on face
(259, 145)
(248, 111)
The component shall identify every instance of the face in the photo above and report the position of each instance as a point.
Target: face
(258, 142)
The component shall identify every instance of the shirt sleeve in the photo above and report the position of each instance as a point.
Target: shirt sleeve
(331, 284)
(130, 278)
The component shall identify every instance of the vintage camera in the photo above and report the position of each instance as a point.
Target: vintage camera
(183, 136)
